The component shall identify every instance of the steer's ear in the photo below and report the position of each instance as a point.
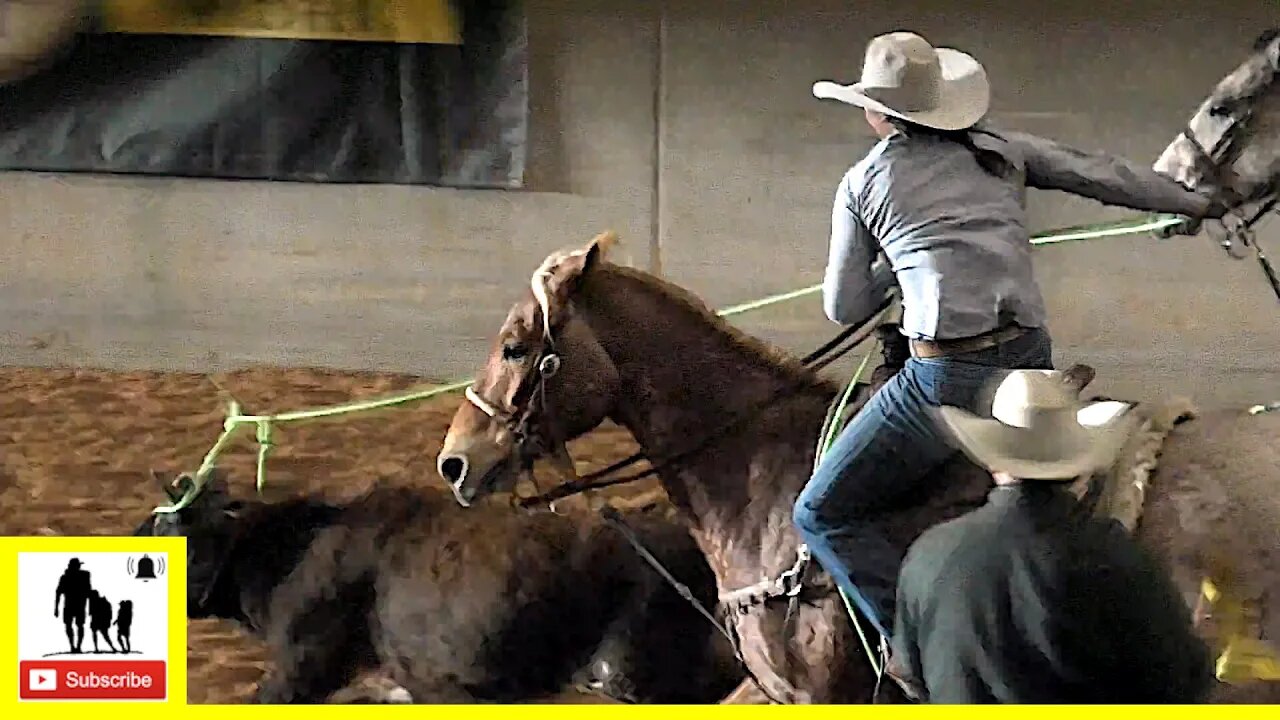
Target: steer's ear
(167, 486)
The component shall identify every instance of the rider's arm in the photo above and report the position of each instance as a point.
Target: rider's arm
(855, 282)
(1107, 179)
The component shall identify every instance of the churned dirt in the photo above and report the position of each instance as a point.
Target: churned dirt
(76, 448)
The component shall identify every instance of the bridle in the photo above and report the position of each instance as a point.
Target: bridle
(523, 420)
(1215, 164)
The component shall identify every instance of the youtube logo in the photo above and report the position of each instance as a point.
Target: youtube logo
(106, 634)
(92, 680)
(42, 679)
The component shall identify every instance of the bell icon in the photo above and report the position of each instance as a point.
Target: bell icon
(146, 569)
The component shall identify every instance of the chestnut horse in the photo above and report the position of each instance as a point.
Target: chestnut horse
(731, 426)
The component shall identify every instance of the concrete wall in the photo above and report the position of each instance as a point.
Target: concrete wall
(691, 131)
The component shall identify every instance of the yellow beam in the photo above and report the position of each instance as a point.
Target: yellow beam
(399, 21)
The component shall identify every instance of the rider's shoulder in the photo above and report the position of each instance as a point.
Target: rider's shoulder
(936, 548)
(875, 160)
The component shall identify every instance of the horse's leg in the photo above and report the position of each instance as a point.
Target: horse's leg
(440, 693)
(374, 690)
(747, 693)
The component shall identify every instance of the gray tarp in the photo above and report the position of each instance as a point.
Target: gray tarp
(303, 110)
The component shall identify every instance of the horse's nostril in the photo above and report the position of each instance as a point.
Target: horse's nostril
(453, 468)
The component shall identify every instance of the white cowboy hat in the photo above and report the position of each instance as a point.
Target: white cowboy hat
(1040, 430)
(906, 77)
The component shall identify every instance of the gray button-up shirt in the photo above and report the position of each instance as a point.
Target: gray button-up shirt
(956, 236)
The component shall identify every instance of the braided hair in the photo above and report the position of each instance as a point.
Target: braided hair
(990, 160)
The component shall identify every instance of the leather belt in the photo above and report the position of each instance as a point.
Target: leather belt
(943, 348)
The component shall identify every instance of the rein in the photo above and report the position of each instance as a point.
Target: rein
(521, 420)
(828, 352)
(614, 519)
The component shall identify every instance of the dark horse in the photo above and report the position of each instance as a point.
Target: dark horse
(594, 340)
(453, 606)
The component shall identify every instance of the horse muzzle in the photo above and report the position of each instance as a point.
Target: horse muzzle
(471, 476)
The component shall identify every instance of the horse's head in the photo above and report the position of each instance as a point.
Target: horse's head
(1231, 145)
(208, 523)
(546, 381)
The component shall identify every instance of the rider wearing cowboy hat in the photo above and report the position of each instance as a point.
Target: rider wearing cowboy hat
(1031, 599)
(944, 199)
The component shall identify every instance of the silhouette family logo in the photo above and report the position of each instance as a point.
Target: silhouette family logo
(92, 626)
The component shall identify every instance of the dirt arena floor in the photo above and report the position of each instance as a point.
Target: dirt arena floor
(76, 448)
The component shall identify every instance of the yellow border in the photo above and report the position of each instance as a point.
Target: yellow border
(397, 21)
(176, 665)
(176, 705)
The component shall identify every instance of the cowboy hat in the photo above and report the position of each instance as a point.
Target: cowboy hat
(1039, 429)
(906, 77)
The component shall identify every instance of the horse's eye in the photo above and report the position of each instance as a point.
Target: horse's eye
(514, 352)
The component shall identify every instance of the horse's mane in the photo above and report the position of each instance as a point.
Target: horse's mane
(785, 363)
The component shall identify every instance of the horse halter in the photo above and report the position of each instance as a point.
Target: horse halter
(1215, 163)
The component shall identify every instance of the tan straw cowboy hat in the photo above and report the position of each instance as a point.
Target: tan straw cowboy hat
(906, 77)
(1040, 430)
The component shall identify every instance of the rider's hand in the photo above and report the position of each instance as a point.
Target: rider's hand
(1187, 226)
(1214, 210)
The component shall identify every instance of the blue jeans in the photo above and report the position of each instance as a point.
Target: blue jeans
(885, 454)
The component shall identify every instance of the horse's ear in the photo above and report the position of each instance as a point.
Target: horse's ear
(601, 245)
(596, 250)
(1269, 43)
(1265, 38)
(169, 490)
(583, 261)
(568, 270)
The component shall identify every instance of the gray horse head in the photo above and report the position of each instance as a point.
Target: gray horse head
(1232, 142)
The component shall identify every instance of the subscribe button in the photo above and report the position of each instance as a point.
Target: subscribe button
(91, 680)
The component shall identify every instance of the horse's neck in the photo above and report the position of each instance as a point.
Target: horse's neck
(684, 381)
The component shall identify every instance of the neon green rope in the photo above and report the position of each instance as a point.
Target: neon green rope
(265, 426)
(833, 429)
(829, 434)
(265, 423)
(1079, 232)
(1260, 409)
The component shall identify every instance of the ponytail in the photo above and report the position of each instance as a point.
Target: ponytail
(990, 160)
